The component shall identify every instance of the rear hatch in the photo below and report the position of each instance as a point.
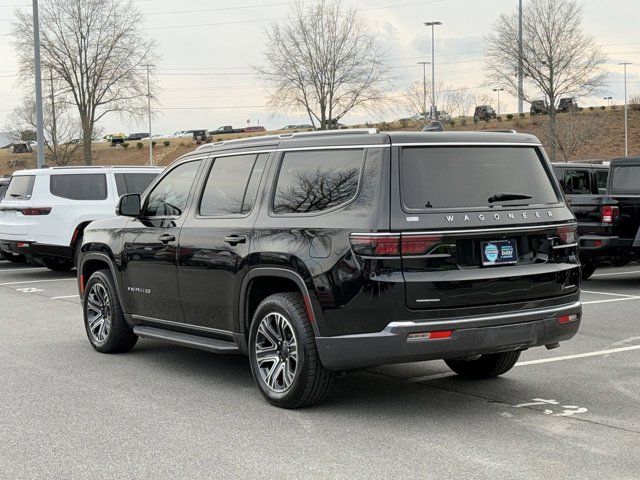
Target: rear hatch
(482, 225)
(17, 202)
(624, 190)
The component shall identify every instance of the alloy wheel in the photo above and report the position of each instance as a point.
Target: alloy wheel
(98, 313)
(276, 352)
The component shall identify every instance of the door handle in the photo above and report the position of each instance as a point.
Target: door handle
(166, 238)
(234, 240)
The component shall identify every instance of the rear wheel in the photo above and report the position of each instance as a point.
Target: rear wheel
(282, 349)
(13, 258)
(58, 264)
(487, 366)
(587, 270)
(106, 328)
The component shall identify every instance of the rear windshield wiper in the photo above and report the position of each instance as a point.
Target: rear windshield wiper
(504, 196)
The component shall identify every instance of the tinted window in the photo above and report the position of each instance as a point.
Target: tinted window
(626, 178)
(576, 182)
(314, 181)
(443, 177)
(91, 186)
(3, 190)
(133, 182)
(169, 197)
(601, 180)
(232, 185)
(20, 187)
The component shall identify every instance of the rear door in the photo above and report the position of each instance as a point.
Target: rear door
(14, 224)
(459, 248)
(624, 187)
(581, 189)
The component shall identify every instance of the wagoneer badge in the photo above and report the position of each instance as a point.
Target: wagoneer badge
(504, 216)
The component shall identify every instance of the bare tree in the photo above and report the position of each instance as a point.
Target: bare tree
(571, 132)
(323, 60)
(96, 50)
(559, 58)
(61, 129)
(454, 101)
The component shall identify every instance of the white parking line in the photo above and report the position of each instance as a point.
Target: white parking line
(632, 272)
(611, 300)
(621, 297)
(39, 281)
(13, 270)
(536, 362)
(65, 296)
(608, 293)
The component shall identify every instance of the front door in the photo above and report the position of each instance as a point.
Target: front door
(214, 243)
(149, 260)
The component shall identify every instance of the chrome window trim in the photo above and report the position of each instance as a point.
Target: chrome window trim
(463, 231)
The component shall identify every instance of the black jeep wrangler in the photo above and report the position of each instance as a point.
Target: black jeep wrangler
(319, 252)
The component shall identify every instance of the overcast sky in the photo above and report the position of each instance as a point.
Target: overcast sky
(207, 48)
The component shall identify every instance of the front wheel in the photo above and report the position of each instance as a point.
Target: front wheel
(587, 270)
(487, 366)
(282, 350)
(106, 328)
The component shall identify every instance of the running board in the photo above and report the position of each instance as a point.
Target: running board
(187, 340)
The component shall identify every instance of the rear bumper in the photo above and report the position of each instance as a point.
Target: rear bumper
(471, 336)
(34, 250)
(601, 245)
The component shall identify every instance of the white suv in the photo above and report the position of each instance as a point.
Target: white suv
(44, 212)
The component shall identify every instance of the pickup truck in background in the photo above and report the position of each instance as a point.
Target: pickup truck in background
(608, 218)
(226, 129)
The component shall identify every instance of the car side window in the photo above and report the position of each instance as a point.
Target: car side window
(601, 180)
(169, 197)
(576, 182)
(232, 185)
(316, 180)
(91, 186)
(133, 182)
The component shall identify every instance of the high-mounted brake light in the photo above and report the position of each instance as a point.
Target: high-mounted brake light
(35, 211)
(609, 213)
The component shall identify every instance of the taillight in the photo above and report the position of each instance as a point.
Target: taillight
(418, 244)
(609, 213)
(376, 245)
(567, 234)
(568, 318)
(35, 211)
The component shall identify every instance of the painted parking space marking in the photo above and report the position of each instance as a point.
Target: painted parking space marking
(39, 281)
(592, 292)
(14, 270)
(620, 297)
(611, 274)
(65, 296)
(29, 290)
(536, 362)
(566, 410)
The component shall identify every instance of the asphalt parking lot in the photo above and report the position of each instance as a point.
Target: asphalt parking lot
(163, 411)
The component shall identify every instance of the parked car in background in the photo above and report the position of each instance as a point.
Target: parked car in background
(226, 129)
(433, 126)
(137, 136)
(607, 223)
(484, 112)
(181, 134)
(45, 211)
(320, 252)
(539, 107)
(254, 129)
(115, 138)
(301, 127)
(198, 135)
(567, 105)
(4, 183)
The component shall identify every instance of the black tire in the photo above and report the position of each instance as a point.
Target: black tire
(120, 336)
(76, 250)
(13, 258)
(311, 381)
(587, 269)
(57, 264)
(487, 366)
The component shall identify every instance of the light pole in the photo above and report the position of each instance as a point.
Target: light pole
(38, 80)
(149, 107)
(498, 90)
(626, 122)
(608, 99)
(424, 89)
(433, 68)
(520, 67)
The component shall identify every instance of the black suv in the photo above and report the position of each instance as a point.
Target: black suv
(319, 252)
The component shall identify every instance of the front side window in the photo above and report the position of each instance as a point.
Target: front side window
(314, 181)
(459, 177)
(20, 187)
(576, 182)
(85, 186)
(169, 197)
(601, 179)
(133, 182)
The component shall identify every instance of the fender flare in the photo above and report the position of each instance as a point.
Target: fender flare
(109, 261)
(311, 303)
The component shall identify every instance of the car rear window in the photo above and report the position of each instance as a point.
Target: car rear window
(20, 187)
(456, 177)
(316, 180)
(625, 179)
(86, 186)
(133, 182)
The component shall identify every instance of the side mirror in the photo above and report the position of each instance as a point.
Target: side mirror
(129, 205)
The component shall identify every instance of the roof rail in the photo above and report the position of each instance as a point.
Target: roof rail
(284, 136)
(499, 130)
